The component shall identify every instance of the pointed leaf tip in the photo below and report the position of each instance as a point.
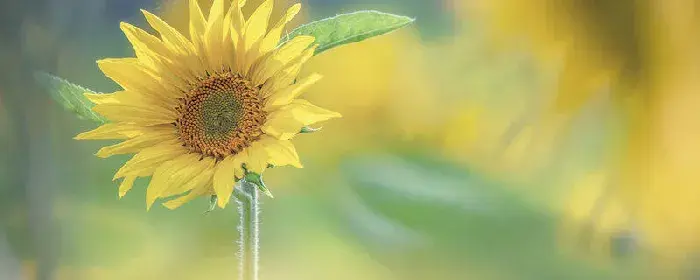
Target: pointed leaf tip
(266, 191)
(349, 28)
(69, 95)
(213, 201)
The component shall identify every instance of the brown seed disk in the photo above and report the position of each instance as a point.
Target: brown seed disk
(221, 116)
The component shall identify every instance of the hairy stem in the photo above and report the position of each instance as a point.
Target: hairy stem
(248, 230)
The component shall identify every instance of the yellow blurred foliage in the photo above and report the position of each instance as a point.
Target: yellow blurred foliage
(490, 111)
(380, 93)
(593, 216)
(646, 53)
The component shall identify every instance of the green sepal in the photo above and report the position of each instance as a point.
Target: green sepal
(258, 181)
(212, 204)
(349, 28)
(308, 129)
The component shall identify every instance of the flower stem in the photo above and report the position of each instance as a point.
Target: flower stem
(248, 230)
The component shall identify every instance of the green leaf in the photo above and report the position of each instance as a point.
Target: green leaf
(399, 201)
(69, 95)
(349, 28)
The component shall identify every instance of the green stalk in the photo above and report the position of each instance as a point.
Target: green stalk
(248, 230)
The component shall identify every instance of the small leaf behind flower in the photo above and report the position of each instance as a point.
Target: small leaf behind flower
(69, 95)
(349, 28)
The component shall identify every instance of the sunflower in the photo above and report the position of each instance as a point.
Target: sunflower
(200, 112)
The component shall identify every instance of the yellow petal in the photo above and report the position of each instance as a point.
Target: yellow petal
(157, 183)
(179, 182)
(213, 36)
(197, 26)
(138, 81)
(177, 43)
(285, 96)
(137, 99)
(131, 98)
(110, 131)
(227, 46)
(237, 55)
(216, 12)
(163, 174)
(129, 74)
(227, 21)
(269, 65)
(154, 54)
(233, 42)
(143, 41)
(149, 49)
(101, 98)
(288, 120)
(273, 36)
(148, 139)
(288, 74)
(293, 49)
(172, 38)
(249, 59)
(149, 158)
(255, 29)
(202, 186)
(308, 113)
(256, 158)
(237, 20)
(256, 26)
(282, 126)
(145, 116)
(225, 178)
(126, 185)
(281, 152)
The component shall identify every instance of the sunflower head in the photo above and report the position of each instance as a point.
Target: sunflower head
(201, 111)
(221, 117)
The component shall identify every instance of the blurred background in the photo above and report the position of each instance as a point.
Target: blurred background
(503, 139)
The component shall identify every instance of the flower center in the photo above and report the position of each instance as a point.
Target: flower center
(221, 117)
